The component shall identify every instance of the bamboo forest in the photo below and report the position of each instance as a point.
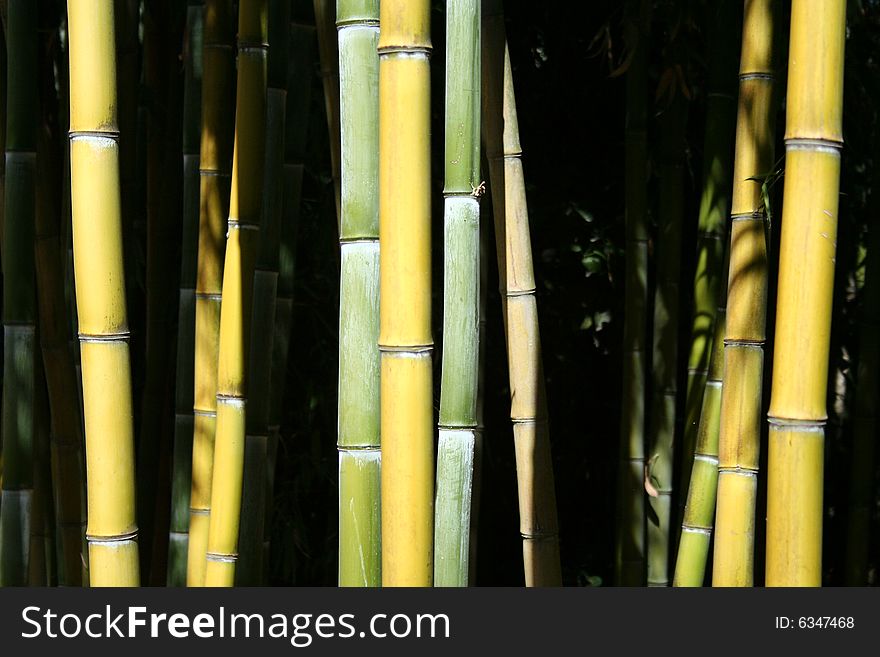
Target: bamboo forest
(375, 293)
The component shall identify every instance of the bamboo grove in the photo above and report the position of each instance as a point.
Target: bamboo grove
(377, 293)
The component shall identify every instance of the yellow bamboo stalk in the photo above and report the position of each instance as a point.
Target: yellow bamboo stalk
(797, 415)
(740, 429)
(245, 207)
(100, 295)
(405, 341)
(214, 170)
(528, 409)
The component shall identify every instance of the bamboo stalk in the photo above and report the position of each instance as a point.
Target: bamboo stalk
(66, 428)
(699, 510)
(358, 419)
(724, 33)
(329, 55)
(299, 77)
(405, 341)
(181, 481)
(42, 567)
(528, 410)
(659, 468)
(19, 295)
(218, 75)
(797, 415)
(252, 530)
(103, 326)
(458, 424)
(630, 539)
(741, 397)
(245, 205)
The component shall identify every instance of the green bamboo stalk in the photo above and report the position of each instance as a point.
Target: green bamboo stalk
(699, 510)
(461, 292)
(2, 143)
(181, 478)
(861, 489)
(724, 40)
(659, 468)
(299, 85)
(630, 540)
(358, 419)
(19, 294)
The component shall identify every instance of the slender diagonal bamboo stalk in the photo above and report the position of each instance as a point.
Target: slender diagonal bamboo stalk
(181, 478)
(19, 295)
(405, 341)
(699, 511)
(724, 40)
(461, 297)
(360, 557)
(325, 12)
(629, 562)
(245, 207)
(103, 325)
(528, 409)
(215, 161)
(659, 468)
(797, 415)
(739, 437)
(250, 540)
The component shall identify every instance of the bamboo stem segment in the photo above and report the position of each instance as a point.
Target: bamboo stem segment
(245, 206)
(215, 158)
(741, 397)
(528, 409)
(100, 295)
(405, 341)
(359, 367)
(797, 415)
(456, 452)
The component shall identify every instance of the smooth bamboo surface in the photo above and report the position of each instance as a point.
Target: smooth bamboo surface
(528, 410)
(245, 207)
(797, 415)
(360, 557)
(459, 422)
(405, 341)
(741, 397)
(215, 162)
(101, 308)
(181, 478)
(629, 561)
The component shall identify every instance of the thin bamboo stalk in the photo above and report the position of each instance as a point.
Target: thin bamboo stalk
(528, 409)
(329, 55)
(797, 415)
(19, 295)
(42, 567)
(245, 206)
(299, 85)
(2, 143)
(405, 341)
(724, 40)
(215, 160)
(629, 561)
(103, 326)
(659, 467)
(181, 481)
(360, 558)
(66, 427)
(458, 424)
(739, 437)
(861, 489)
(699, 510)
